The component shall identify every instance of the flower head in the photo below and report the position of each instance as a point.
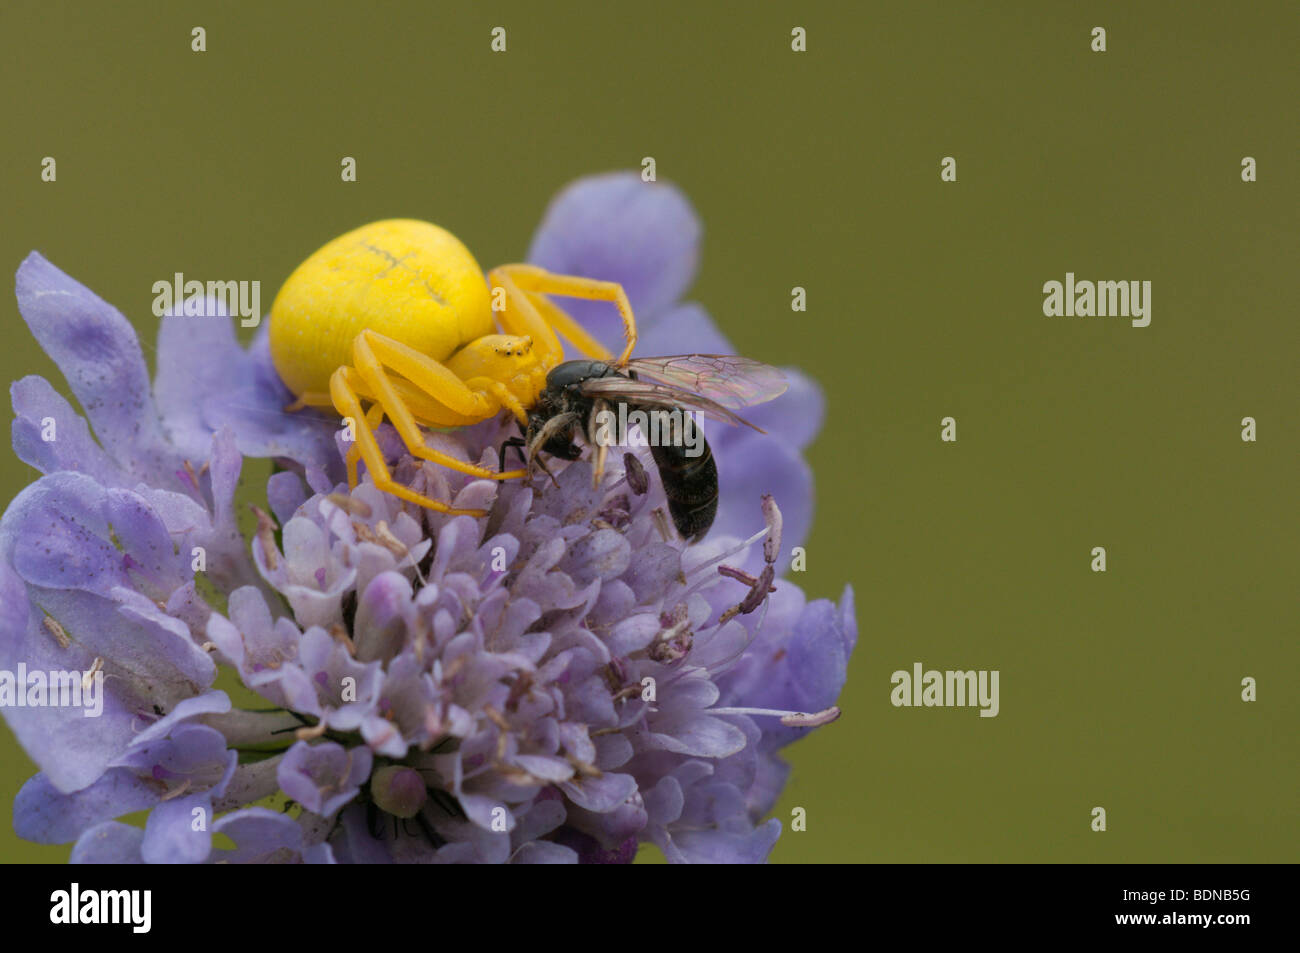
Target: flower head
(558, 681)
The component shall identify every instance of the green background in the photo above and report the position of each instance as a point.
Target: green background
(821, 169)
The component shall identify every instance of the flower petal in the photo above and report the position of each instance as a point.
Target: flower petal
(99, 354)
(755, 466)
(110, 843)
(684, 329)
(169, 833)
(724, 847)
(38, 406)
(198, 357)
(252, 404)
(46, 815)
(544, 852)
(262, 836)
(615, 227)
(323, 777)
(143, 665)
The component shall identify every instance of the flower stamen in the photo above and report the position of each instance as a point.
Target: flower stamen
(791, 719)
(58, 631)
(266, 536)
(352, 507)
(89, 677)
(177, 791)
(311, 732)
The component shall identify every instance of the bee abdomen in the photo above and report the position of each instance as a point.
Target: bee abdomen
(691, 486)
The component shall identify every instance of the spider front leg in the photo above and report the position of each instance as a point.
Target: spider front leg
(348, 404)
(532, 284)
(374, 352)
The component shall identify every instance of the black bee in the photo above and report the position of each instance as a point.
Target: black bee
(658, 395)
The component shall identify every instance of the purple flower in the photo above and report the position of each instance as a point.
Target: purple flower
(323, 777)
(559, 681)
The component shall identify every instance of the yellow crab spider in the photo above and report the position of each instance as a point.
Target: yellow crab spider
(396, 314)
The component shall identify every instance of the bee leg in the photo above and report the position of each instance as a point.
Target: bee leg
(601, 446)
(560, 423)
(532, 458)
(541, 465)
(528, 460)
(518, 444)
(598, 465)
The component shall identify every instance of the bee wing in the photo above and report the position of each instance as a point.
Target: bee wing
(655, 394)
(726, 379)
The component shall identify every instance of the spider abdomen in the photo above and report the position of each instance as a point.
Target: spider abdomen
(405, 279)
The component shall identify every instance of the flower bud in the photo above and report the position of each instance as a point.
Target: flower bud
(398, 790)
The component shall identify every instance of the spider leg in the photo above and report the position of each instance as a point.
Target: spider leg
(521, 316)
(373, 352)
(569, 329)
(427, 411)
(309, 399)
(348, 404)
(536, 282)
(502, 394)
(374, 417)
